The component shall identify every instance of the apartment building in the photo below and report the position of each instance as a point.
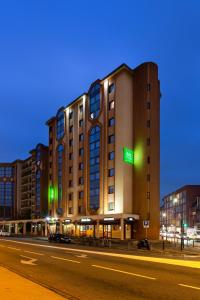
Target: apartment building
(104, 157)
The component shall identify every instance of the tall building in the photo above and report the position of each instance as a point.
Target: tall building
(24, 186)
(182, 205)
(104, 157)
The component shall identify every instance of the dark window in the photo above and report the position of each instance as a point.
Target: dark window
(70, 156)
(80, 195)
(94, 140)
(148, 105)
(111, 122)
(148, 159)
(71, 142)
(81, 108)
(50, 128)
(81, 166)
(70, 169)
(95, 101)
(111, 105)
(70, 210)
(81, 137)
(111, 88)
(50, 177)
(50, 153)
(80, 209)
(71, 115)
(148, 141)
(81, 180)
(81, 152)
(111, 155)
(71, 128)
(60, 125)
(148, 177)
(70, 196)
(111, 172)
(50, 165)
(50, 141)
(148, 123)
(81, 123)
(111, 139)
(148, 87)
(70, 183)
(111, 189)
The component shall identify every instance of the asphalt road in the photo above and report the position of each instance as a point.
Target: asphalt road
(86, 275)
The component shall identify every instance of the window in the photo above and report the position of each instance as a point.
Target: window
(148, 159)
(70, 183)
(94, 146)
(50, 128)
(148, 141)
(79, 209)
(81, 166)
(81, 137)
(50, 153)
(94, 96)
(60, 124)
(148, 123)
(111, 206)
(148, 87)
(81, 108)
(148, 177)
(50, 165)
(111, 122)
(81, 180)
(80, 195)
(111, 139)
(6, 198)
(71, 115)
(71, 142)
(60, 150)
(50, 141)
(6, 171)
(70, 169)
(70, 196)
(111, 105)
(71, 128)
(70, 211)
(81, 152)
(111, 155)
(111, 172)
(111, 189)
(71, 156)
(81, 123)
(148, 105)
(111, 88)
(38, 188)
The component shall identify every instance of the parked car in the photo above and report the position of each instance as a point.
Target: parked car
(144, 244)
(59, 238)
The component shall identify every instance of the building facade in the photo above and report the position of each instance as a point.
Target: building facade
(181, 206)
(91, 186)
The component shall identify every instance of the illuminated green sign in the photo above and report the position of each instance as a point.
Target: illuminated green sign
(128, 156)
(51, 193)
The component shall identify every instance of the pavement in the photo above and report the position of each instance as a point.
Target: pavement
(15, 287)
(79, 272)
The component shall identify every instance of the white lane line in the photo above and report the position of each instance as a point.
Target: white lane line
(31, 261)
(189, 286)
(13, 248)
(34, 253)
(124, 272)
(170, 261)
(82, 256)
(70, 260)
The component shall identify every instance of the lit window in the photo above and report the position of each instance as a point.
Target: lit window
(111, 206)
(111, 155)
(111, 172)
(111, 122)
(111, 105)
(95, 101)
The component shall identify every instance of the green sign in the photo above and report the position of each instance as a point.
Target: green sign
(51, 193)
(128, 156)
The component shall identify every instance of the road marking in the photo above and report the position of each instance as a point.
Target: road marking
(34, 253)
(190, 286)
(13, 248)
(61, 258)
(31, 261)
(124, 272)
(176, 262)
(82, 256)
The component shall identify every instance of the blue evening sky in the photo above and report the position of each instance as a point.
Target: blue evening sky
(50, 52)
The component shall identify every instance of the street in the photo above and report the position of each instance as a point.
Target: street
(91, 274)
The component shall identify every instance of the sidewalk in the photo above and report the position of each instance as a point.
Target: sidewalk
(15, 287)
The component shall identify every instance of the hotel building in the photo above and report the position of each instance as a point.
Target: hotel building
(104, 157)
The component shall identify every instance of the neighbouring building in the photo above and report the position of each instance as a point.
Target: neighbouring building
(182, 205)
(104, 157)
(24, 186)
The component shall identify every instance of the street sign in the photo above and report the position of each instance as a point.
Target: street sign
(146, 224)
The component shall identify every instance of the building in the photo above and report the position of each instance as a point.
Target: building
(24, 186)
(181, 206)
(104, 157)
